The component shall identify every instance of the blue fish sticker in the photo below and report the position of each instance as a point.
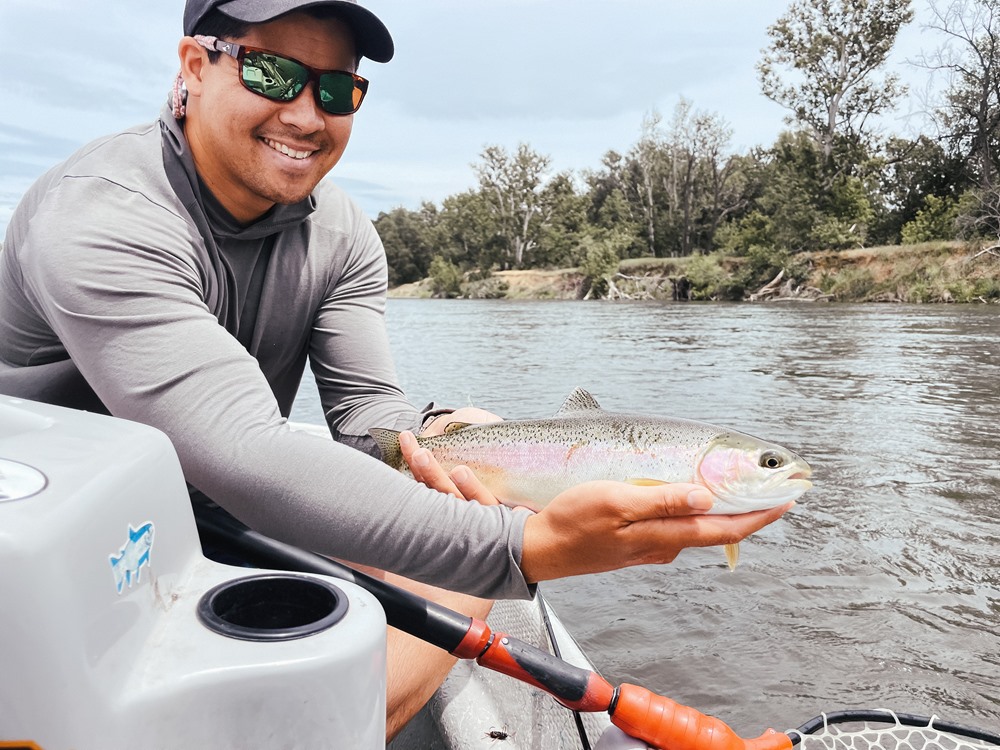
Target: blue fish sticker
(132, 556)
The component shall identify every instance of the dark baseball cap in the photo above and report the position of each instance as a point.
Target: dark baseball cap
(370, 34)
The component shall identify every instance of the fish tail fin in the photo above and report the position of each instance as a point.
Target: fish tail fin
(732, 555)
(388, 444)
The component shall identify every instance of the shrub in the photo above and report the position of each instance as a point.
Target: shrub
(446, 278)
(935, 221)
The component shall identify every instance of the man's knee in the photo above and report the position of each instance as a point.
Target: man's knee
(415, 668)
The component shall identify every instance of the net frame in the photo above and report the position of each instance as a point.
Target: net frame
(885, 729)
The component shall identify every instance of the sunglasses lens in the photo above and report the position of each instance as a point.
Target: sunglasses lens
(273, 76)
(341, 93)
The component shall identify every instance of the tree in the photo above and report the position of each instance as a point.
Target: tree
(408, 240)
(799, 206)
(468, 231)
(679, 182)
(512, 186)
(910, 173)
(835, 48)
(969, 115)
(702, 175)
(564, 222)
(640, 175)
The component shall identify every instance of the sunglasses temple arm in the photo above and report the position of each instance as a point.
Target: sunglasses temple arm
(213, 44)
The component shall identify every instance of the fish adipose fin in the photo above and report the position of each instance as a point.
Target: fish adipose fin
(455, 427)
(578, 401)
(388, 443)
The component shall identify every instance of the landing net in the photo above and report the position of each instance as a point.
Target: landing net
(888, 730)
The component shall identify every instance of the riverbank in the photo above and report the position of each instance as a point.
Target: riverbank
(927, 272)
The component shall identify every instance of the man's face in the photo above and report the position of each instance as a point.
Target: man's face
(253, 152)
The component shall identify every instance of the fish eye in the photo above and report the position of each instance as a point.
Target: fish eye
(771, 460)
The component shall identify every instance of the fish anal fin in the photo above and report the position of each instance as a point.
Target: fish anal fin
(643, 482)
(578, 401)
(732, 555)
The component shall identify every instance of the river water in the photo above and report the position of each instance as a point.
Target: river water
(880, 589)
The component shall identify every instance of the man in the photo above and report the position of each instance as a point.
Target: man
(181, 274)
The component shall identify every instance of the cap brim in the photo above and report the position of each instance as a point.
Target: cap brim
(370, 34)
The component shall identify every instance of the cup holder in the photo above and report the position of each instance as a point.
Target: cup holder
(272, 607)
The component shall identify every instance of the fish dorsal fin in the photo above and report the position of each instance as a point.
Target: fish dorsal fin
(455, 426)
(578, 401)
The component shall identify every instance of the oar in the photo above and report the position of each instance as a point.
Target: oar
(654, 719)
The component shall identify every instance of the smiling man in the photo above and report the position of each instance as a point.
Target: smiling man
(183, 272)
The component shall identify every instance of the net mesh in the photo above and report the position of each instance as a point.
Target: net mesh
(889, 732)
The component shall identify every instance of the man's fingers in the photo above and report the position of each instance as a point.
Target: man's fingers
(711, 531)
(470, 486)
(647, 502)
(424, 466)
(462, 482)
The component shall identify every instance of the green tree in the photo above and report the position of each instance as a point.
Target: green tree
(446, 278)
(512, 187)
(910, 172)
(564, 222)
(969, 115)
(799, 206)
(701, 188)
(675, 185)
(834, 50)
(935, 221)
(469, 232)
(408, 237)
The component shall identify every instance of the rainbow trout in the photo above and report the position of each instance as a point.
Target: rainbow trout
(529, 462)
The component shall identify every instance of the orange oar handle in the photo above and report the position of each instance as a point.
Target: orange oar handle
(576, 688)
(663, 723)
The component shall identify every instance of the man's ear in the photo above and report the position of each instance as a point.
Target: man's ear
(193, 59)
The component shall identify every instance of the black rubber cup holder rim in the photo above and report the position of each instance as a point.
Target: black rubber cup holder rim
(272, 607)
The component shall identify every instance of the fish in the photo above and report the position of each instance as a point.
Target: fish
(132, 556)
(530, 461)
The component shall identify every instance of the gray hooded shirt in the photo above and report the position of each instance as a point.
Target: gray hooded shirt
(125, 287)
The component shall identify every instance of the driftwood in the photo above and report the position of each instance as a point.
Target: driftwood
(993, 250)
(776, 291)
(623, 286)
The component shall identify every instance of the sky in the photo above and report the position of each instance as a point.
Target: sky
(571, 78)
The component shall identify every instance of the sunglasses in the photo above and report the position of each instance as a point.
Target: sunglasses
(281, 79)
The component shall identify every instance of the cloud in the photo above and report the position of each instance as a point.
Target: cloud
(571, 78)
(556, 59)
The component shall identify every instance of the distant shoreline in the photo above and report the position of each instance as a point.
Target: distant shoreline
(924, 273)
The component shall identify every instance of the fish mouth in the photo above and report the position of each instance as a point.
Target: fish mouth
(801, 478)
(779, 488)
(798, 480)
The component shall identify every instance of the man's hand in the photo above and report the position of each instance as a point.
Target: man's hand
(469, 414)
(461, 482)
(600, 526)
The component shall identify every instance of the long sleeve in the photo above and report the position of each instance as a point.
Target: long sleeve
(115, 279)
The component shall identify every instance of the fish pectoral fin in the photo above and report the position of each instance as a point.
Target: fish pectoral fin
(455, 427)
(643, 482)
(732, 555)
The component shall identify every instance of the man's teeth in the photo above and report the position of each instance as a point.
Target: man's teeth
(287, 151)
